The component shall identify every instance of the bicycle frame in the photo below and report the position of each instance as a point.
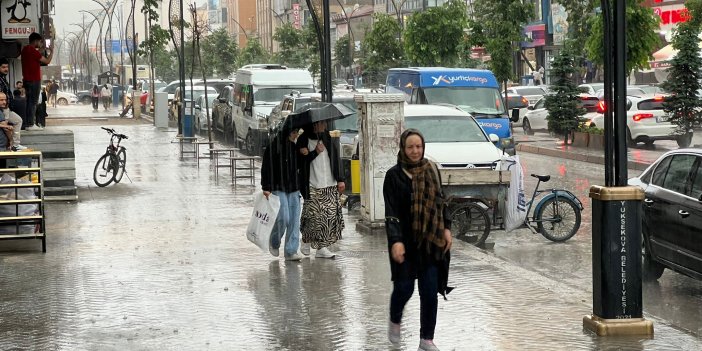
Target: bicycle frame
(529, 220)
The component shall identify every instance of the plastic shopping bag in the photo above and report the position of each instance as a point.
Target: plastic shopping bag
(262, 220)
(515, 211)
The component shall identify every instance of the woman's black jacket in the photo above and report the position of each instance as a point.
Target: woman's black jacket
(304, 161)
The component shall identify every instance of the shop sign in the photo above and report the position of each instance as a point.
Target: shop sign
(20, 20)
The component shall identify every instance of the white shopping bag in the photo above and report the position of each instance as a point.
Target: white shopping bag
(515, 211)
(262, 221)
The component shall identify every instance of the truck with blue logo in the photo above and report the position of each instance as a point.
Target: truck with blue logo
(474, 91)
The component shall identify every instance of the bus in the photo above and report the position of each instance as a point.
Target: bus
(474, 91)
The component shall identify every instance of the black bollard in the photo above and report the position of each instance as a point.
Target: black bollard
(616, 262)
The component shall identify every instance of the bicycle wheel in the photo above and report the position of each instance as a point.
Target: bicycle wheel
(470, 222)
(558, 218)
(121, 163)
(104, 172)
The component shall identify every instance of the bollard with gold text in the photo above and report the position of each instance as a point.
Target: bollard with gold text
(616, 263)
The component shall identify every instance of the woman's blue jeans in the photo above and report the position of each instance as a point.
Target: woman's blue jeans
(287, 222)
(428, 301)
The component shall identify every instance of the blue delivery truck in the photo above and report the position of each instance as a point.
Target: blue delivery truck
(474, 91)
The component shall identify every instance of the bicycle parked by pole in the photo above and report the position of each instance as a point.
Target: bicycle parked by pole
(111, 166)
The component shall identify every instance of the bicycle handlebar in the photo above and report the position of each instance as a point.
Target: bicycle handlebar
(112, 131)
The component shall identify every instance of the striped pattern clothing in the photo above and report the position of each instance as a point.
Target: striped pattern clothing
(322, 221)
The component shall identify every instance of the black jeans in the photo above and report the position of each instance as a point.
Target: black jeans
(428, 300)
(95, 101)
(31, 88)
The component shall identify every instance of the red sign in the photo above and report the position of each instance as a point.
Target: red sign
(296, 15)
(672, 16)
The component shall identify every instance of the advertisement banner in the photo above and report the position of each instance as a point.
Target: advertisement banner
(296, 16)
(19, 20)
(559, 18)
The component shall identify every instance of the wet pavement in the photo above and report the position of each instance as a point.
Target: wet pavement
(163, 262)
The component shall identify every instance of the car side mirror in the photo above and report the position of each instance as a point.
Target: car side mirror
(515, 115)
(494, 138)
(530, 107)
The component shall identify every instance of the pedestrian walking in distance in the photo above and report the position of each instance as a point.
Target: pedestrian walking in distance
(279, 176)
(105, 93)
(419, 237)
(321, 183)
(95, 97)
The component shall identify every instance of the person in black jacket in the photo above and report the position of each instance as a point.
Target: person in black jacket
(279, 177)
(321, 184)
(419, 236)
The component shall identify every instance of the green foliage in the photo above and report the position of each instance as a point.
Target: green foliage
(641, 29)
(563, 105)
(311, 48)
(165, 64)
(684, 74)
(342, 51)
(253, 52)
(291, 43)
(382, 48)
(579, 14)
(224, 62)
(497, 26)
(431, 36)
(590, 130)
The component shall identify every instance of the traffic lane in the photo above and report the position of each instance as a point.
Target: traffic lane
(674, 297)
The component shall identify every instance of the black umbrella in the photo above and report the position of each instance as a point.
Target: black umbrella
(315, 112)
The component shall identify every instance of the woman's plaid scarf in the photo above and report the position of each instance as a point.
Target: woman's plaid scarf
(427, 202)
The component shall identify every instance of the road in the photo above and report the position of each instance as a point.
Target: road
(675, 297)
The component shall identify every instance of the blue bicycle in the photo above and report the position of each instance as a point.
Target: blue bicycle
(557, 215)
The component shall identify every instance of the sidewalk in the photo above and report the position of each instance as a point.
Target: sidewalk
(639, 158)
(163, 263)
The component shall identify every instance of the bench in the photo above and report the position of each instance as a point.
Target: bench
(182, 140)
(245, 164)
(215, 153)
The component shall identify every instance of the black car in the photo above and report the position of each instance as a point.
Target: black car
(84, 97)
(672, 214)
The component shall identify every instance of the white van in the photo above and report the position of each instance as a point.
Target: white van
(257, 90)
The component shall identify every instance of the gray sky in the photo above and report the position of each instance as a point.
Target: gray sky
(67, 12)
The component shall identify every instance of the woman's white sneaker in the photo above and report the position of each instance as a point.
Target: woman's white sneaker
(324, 253)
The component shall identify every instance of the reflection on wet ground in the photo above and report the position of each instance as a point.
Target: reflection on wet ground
(163, 263)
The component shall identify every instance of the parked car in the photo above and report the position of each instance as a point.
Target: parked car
(531, 93)
(217, 84)
(191, 95)
(453, 138)
(672, 214)
(85, 97)
(64, 98)
(535, 119)
(201, 112)
(647, 122)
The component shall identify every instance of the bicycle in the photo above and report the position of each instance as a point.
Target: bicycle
(111, 166)
(557, 215)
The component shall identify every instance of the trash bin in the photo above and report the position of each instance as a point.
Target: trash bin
(116, 95)
(527, 79)
(188, 130)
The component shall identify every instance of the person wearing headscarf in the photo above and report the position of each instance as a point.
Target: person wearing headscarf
(279, 176)
(418, 229)
(321, 185)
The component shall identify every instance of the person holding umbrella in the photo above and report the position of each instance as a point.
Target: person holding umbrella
(279, 176)
(321, 179)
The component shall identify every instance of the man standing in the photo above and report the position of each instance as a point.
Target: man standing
(53, 91)
(32, 60)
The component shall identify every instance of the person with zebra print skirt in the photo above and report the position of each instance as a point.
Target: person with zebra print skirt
(321, 184)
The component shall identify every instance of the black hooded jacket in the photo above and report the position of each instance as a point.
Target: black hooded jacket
(279, 170)
(305, 161)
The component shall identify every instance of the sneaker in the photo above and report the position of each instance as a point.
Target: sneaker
(19, 147)
(394, 333)
(427, 345)
(41, 127)
(324, 253)
(294, 257)
(305, 249)
(274, 252)
(33, 128)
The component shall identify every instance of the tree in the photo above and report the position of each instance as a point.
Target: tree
(292, 46)
(165, 64)
(224, 63)
(641, 29)
(311, 48)
(579, 14)
(382, 47)
(253, 52)
(341, 51)
(497, 26)
(156, 39)
(431, 35)
(563, 105)
(683, 105)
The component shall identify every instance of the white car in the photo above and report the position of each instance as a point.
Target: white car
(535, 119)
(531, 93)
(453, 138)
(64, 98)
(200, 112)
(591, 88)
(647, 122)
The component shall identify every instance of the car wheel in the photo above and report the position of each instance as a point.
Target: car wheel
(527, 127)
(652, 270)
(86, 100)
(62, 101)
(684, 140)
(630, 142)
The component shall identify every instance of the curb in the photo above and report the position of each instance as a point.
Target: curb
(570, 155)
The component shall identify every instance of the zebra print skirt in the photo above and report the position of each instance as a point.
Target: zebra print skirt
(322, 222)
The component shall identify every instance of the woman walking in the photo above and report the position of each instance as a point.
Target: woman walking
(95, 97)
(321, 183)
(279, 176)
(419, 236)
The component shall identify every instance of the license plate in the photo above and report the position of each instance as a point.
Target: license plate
(662, 119)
